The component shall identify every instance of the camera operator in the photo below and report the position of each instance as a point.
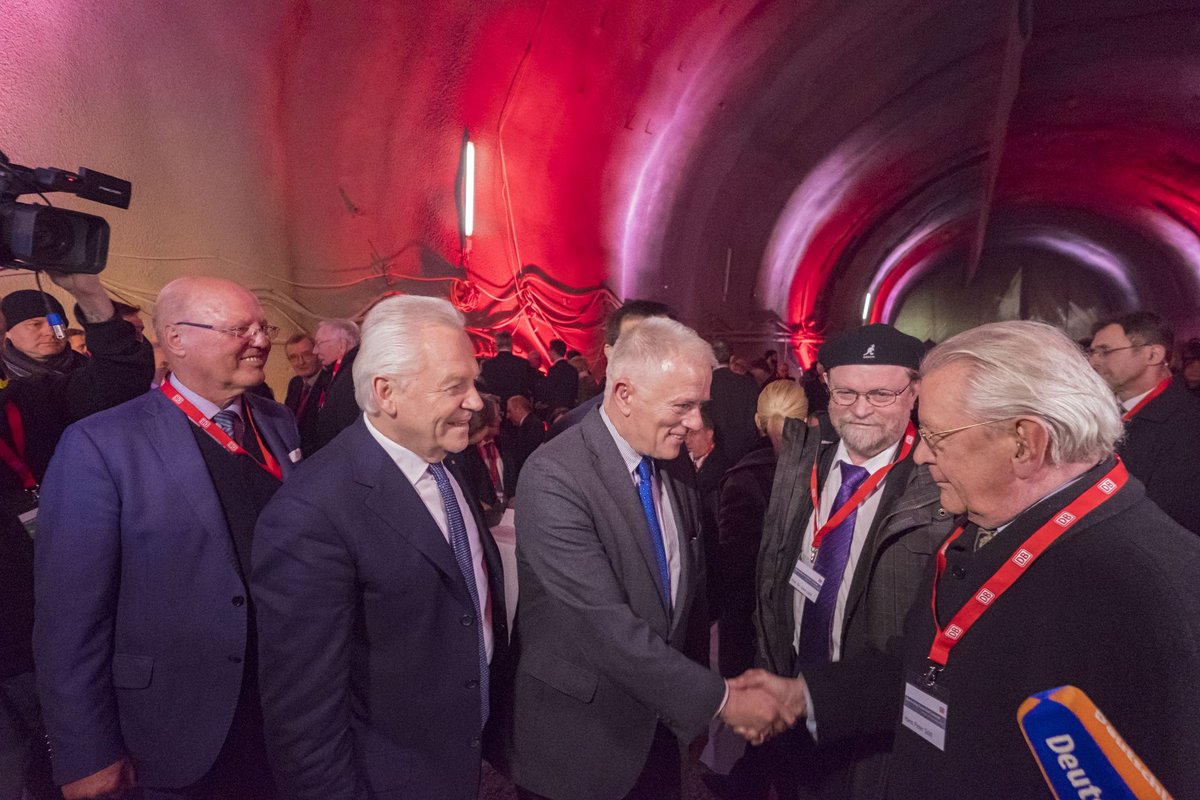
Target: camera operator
(35, 409)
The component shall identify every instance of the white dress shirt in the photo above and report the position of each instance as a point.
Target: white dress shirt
(862, 526)
(416, 471)
(206, 407)
(662, 502)
(1126, 405)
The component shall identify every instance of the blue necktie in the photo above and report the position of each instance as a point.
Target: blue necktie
(227, 420)
(462, 554)
(646, 492)
(816, 627)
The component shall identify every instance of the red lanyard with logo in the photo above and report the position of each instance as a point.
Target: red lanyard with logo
(1155, 392)
(212, 429)
(860, 495)
(337, 365)
(1012, 569)
(14, 456)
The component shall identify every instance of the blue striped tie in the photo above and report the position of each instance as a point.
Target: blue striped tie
(462, 554)
(645, 491)
(227, 420)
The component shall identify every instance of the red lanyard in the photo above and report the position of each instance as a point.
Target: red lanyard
(14, 456)
(337, 365)
(205, 424)
(1155, 392)
(305, 393)
(1012, 569)
(860, 495)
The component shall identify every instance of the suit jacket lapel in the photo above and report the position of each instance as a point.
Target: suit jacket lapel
(610, 467)
(271, 435)
(491, 556)
(687, 526)
(171, 436)
(394, 500)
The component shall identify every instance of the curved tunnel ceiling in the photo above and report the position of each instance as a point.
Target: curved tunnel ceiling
(762, 166)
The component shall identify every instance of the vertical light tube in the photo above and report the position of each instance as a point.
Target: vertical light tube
(866, 315)
(469, 189)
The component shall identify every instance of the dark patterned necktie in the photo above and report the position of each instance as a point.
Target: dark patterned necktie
(816, 627)
(461, 546)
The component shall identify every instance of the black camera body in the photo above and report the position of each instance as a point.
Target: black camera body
(39, 237)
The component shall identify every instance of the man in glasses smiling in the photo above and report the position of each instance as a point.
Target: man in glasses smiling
(851, 528)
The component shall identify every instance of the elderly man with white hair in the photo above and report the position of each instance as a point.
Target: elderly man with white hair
(380, 590)
(1060, 572)
(611, 572)
(335, 345)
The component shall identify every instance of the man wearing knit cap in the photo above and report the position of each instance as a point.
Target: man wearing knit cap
(850, 529)
(30, 346)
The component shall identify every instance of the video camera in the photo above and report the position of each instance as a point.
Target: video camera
(43, 237)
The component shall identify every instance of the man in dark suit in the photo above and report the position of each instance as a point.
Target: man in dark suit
(1162, 420)
(872, 563)
(561, 387)
(336, 346)
(734, 401)
(380, 590)
(528, 433)
(144, 634)
(1059, 572)
(487, 475)
(611, 575)
(504, 374)
(305, 387)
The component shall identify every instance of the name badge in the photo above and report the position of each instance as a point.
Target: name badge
(29, 520)
(925, 716)
(806, 580)
(295, 456)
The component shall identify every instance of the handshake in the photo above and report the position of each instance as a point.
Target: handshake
(762, 705)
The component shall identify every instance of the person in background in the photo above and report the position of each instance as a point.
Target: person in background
(528, 432)
(77, 340)
(35, 412)
(733, 402)
(505, 374)
(305, 387)
(335, 345)
(561, 387)
(30, 346)
(1162, 420)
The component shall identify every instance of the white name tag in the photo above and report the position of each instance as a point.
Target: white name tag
(925, 716)
(29, 520)
(806, 580)
(295, 456)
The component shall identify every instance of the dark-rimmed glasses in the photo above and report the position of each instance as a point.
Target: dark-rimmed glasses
(879, 398)
(1105, 352)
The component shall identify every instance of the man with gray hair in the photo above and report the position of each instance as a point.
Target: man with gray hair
(611, 571)
(335, 345)
(1060, 572)
(380, 590)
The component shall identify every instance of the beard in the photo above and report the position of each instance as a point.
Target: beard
(866, 439)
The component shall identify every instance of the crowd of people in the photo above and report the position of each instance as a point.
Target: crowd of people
(845, 584)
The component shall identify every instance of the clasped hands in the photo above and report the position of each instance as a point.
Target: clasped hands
(762, 705)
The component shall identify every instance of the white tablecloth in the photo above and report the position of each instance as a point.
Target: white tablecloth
(506, 540)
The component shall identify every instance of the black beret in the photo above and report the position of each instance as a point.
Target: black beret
(26, 304)
(872, 344)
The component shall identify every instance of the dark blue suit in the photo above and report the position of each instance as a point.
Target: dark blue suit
(142, 618)
(369, 649)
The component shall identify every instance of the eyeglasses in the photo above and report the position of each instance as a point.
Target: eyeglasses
(1105, 352)
(244, 332)
(876, 397)
(933, 438)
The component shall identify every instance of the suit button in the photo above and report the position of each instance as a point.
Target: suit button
(467, 620)
(472, 684)
(941, 513)
(235, 659)
(475, 742)
(239, 601)
(959, 573)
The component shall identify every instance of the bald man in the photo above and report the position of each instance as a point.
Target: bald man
(144, 630)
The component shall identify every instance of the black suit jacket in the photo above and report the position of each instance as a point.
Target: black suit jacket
(524, 439)
(306, 418)
(505, 375)
(561, 387)
(1162, 448)
(1112, 601)
(734, 401)
(340, 408)
(368, 647)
